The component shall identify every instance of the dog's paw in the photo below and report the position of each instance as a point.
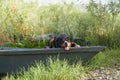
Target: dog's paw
(47, 47)
(77, 46)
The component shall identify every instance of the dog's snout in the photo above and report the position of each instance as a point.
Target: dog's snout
(65, 43)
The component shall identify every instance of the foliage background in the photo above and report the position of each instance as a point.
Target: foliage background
(97, 23)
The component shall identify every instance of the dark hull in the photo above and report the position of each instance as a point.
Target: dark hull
(12, 59)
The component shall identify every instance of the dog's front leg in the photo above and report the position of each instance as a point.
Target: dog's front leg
(51, 43)
(75, 44)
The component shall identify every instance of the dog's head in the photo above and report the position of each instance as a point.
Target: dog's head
(63, 41)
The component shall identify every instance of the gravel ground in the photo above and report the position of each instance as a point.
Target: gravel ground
(104, 74)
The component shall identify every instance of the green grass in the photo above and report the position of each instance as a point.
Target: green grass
(55, 70)
(61, 70)
(27, 44)
(109, 58)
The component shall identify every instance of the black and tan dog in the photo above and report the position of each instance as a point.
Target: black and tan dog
(62, 41)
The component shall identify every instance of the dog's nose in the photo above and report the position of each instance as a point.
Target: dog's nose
(65, 43)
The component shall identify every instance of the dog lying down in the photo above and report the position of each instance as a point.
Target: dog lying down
(62, 41)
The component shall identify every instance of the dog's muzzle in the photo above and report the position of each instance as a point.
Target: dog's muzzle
(65, 43)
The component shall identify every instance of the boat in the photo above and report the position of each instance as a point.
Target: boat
(13, 59)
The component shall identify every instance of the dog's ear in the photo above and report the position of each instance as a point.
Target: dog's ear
(51, 42)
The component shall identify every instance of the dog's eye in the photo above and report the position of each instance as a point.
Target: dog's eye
(67, 38)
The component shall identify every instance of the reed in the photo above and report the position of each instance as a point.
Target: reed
(99, 24)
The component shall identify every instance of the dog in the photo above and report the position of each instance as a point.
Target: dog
(62, 41)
